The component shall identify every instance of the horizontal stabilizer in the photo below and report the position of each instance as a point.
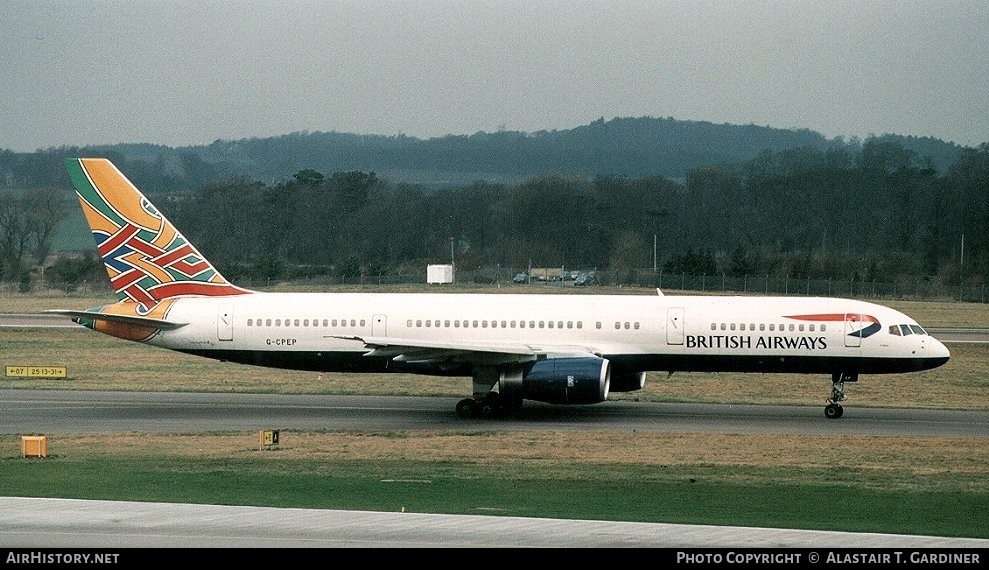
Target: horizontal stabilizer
(122, 319)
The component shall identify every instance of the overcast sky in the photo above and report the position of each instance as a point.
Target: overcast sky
(81, 72)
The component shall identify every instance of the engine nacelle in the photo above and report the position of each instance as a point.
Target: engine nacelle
(570, 380)
(629, 381)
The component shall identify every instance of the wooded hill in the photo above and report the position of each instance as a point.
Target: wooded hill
(715, 199)
(623, 147)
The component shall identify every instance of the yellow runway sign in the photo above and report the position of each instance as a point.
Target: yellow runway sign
(37, 371)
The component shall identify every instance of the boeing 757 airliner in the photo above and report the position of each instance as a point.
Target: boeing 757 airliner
(560, 349)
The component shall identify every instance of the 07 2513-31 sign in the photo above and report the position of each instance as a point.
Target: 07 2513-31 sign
(36, 371)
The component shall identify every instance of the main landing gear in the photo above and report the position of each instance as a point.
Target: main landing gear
(494, 405)
(488, 403)
(486, 407)
(834, 410)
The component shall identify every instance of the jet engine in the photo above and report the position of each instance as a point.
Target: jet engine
(627, 381)
(567, 380)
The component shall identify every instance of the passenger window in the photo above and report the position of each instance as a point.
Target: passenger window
(723, 326)
(250, 322)
(597, 325)
(714, 326)
(801, 327)
(732, 326)
(551, 324)
(580, 324)
(636, 325)
(762, 326)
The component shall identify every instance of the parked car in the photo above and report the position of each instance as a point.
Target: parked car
(588, 278)
(521, 278)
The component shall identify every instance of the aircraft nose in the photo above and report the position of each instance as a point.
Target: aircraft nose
(939, 350)
(935, 352)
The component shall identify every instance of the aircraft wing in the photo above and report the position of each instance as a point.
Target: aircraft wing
(488, 353)
(115, 318)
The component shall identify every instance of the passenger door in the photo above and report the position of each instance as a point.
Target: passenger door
(225, 322)
(674, 325)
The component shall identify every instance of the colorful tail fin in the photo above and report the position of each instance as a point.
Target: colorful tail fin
(146, 258)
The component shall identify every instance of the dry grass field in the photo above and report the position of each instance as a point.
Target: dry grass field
(906, 463)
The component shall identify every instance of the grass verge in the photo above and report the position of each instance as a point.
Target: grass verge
(867, 484)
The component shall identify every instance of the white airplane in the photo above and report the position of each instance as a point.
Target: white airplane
(559, 349)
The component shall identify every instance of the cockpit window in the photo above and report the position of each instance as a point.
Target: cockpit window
(905, 330)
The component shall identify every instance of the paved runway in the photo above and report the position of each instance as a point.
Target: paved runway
(69, 523)
(68, 411)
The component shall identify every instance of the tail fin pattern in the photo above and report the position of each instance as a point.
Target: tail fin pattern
(146, 258)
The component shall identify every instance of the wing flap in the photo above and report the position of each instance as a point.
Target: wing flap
(423, 351)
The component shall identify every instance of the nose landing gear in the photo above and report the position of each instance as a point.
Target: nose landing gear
(834, 410)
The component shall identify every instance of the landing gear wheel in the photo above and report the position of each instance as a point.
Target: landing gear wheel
(487, 410)
(467, 408)
(490, 406)
(833, 411)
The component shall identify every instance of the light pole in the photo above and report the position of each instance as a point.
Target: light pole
(453, 265)
(657, 216)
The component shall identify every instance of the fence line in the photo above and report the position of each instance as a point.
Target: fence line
(916, 288)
